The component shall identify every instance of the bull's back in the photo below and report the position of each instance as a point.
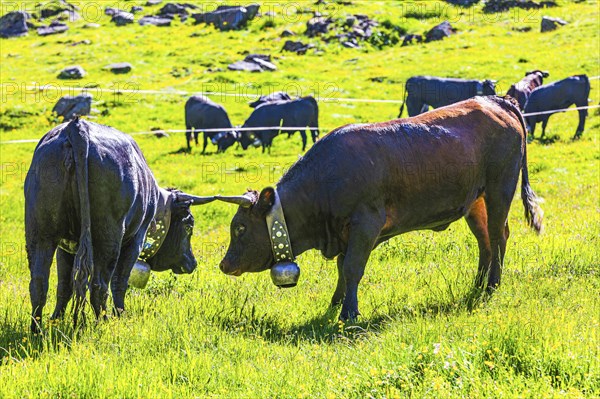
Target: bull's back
(120, 184)
(438, 160)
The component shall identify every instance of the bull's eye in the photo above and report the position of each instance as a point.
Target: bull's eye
(240, 230)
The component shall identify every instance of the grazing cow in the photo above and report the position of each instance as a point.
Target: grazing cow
(362, 184)
(202, 113)
(558, 95)
(421, 92)
(522, 90)
(302, 112)
(90, 195)
(273, 97)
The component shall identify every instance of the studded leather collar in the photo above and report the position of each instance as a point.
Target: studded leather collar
(155, 236)
(278, 232)
(479, 88)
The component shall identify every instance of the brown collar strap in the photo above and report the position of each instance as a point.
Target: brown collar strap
(157, 231)
(278, 232)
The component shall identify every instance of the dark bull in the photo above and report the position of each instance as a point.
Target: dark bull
(102, 208)
(366, 196)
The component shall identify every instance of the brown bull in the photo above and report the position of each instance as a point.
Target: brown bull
(363, 184)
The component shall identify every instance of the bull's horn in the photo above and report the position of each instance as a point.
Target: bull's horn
(194, 199)
(241, 200)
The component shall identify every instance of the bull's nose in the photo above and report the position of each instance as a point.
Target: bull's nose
(227, 268)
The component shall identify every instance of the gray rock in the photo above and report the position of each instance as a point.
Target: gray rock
(151, 3)
(136, 9)
(296, 47)
(245, 66)
(60, 8)
(550, 24)
(112, 11)
(317, 26)
(119, 67)
(72, 72)
(408, 39)
(70, 106)
(228, 17)
(439, 32)
(269, 66)
(91, 25)
(122, 18)
(53, 28)
(155, 20)
(14, 24)
(287, 33)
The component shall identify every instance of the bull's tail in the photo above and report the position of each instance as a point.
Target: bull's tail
(533, 212)
(78, 136)
(404, 101)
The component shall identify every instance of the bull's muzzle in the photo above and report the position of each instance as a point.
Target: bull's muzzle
(227, 268)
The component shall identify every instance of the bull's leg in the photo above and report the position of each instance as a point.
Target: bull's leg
(188, 136)
(365, 227)
(498, 205)
(105, 260)
(64, 261)
(531, 122)
(582, 115)
(478, 223)
(205, 143)
(127, 258)
(196, 133)
(40, 256)
(303, 135)
(315, 133)
(544, 124)
(340, 289)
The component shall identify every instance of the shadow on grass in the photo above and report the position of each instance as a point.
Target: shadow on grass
(326, 328)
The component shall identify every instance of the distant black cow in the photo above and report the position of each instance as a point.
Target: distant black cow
(90, 195)
(522, 90)
(202, 113)
(302, 112)
(558, 95)
(421, 92)
(273, 97)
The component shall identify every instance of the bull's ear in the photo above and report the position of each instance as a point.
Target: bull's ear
(545, 74)
(266, 200)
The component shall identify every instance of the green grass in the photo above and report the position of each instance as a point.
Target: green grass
(208, 335)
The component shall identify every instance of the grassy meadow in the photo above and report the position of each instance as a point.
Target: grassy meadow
(210, 335)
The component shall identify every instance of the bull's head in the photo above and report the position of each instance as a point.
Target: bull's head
(489, 87)
(224, 140)
(250, 246)
(246, 139)
(175, 253)
(544, 74)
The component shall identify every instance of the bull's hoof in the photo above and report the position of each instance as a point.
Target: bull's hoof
(347, 315)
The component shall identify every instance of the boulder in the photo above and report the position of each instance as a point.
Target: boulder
(136, 9)
(228, 17)
(122, 18)
(119, 67)
(58, 8)
(155, 20)
(287, 33)
(245, 66)
(53, 28)
(254, 63)
(72, 72)
(71, 106)
(317, 26)
(439, 32)
(296, 47)
(110, 11)
(550, 24)
(14, 24)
